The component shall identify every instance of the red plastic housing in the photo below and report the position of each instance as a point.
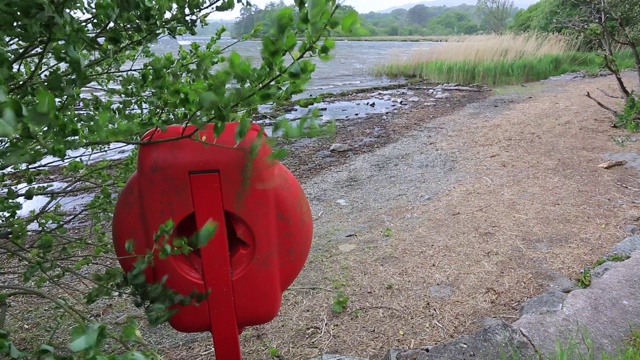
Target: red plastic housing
(267, 219)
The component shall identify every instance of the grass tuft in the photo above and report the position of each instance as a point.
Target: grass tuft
(629, 351)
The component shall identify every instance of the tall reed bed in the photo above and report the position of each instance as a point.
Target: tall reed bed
(494, 60)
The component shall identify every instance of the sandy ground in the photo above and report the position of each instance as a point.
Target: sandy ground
(462, 219)
(440, 217)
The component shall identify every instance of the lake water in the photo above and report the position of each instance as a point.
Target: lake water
(349, 69)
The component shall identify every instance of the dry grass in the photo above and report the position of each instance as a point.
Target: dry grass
(493, 60)
(486, 48)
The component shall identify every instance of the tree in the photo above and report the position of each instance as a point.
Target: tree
(453, 22)
(79, 80)
(549, 16)
(495, 14)
(611, 25)
(419, 14)
(250, 16)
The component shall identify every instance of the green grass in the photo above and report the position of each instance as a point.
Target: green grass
(500, 72)
(630, 351)
(585, 278)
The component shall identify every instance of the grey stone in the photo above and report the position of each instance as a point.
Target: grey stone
(631, 229)
(441, 291)
(632, 159)
(494, 342)
(443, 96)
(122, 320)
(339, 147)
(342, 202)
(562, 283)
(489, 321)
(604, 311)
(627, 246)
(430, 104)
(550, 301)
(414, 99)
(414, 354)
(601, 269)
(324, 153)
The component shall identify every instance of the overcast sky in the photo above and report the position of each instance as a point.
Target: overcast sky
(363, 6)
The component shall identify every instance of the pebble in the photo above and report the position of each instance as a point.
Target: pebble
(631, 229)
(339, 147)
(347, 247)
(441, 291)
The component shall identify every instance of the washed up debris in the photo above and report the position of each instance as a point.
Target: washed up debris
(612, 163)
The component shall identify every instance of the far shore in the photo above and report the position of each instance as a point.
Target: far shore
(395, 38)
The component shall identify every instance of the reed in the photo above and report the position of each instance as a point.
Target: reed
(496, 60)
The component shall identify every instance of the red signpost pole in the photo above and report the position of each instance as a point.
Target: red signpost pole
(206, 193)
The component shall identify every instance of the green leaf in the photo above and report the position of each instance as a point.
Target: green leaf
(208, 100)
(278, 154)
(206, 233)
(46, 101)
(7, 122)
(133, 355)
(87, 340)
(14, 353)
(47, 348)
(295, 71)
(29, 194)
(242, 129)
(130, 332)
(340, 303)
(129, 246)
(349, 21)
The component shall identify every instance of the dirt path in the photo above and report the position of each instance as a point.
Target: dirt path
(462, 219)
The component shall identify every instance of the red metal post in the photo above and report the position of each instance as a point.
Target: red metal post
(206, 193)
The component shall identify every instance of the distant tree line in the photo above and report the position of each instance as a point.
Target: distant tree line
(421, 20)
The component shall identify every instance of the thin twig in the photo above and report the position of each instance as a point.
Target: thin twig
(382, 307)
(609, 95)
(613, 112)
(3, 313)
(309, 288)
